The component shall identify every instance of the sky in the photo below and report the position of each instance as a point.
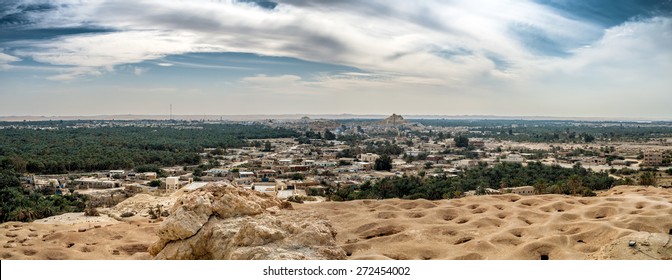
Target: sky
(561, 58)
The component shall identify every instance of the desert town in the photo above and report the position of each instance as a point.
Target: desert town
(287, 168)
(284, 183)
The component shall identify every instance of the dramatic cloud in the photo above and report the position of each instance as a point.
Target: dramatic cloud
(471, 51)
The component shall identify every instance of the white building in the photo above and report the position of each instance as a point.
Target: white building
(246, 174)
(514, 158)
(369, 157)
(116, 173)
(172, 183)
(524, 190)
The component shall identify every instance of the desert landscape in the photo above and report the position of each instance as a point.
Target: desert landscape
(227, 223)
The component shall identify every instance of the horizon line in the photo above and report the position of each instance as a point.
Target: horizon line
(290, 116)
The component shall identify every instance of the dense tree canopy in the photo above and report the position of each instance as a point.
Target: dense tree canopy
(66, 150)
(546, 179)
(383, 163)
(19, 204)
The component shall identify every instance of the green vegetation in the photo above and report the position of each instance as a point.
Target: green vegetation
(383, 163)
(546, 179)
(64, 149)
(461, 141)
(647, 178)
(297, 176)
(560, 131)
(19, 204)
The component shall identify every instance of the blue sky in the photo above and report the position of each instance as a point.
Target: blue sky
(583, 58)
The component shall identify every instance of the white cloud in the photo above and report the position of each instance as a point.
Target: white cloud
(6, 59)
(446, 54)
(403, 39)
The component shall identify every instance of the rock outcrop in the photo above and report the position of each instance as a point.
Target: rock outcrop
(222, 222)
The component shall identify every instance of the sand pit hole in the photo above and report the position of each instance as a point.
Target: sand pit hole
(415, 215)
(580, 241)
(6, 255)
(602, 212)
(499, 206)
(479, 210)
(470, 256)
(69, 245)
(529, 202)
(381, 232)
(463, 240)
(585, 201)
(133, 248)
(448, 215)
(670, 232)
(397, 256)
(517, 233)
(501, 215)
(526, 220)
(386, 215)
(462, 221)
(543, 257)
(29, 252)
(473, 206)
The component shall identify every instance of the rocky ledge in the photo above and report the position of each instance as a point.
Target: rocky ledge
(223, 222)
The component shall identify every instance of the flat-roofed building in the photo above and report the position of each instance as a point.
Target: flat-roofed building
(117, 173)
(524, 190)
(594, 161)
(652, 158)
(172, 183)
(369, 157)
(246, 174)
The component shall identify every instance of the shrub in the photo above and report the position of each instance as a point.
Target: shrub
(91, 211)
(588, 192)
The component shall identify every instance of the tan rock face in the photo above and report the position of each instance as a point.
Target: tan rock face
(220, 222)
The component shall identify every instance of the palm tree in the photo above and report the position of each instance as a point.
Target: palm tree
(539, 187)
(574, 183)
(558, 189)
(647, 179)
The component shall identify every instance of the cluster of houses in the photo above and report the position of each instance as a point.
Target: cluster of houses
(290, 168)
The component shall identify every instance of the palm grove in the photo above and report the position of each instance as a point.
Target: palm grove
(64, 150)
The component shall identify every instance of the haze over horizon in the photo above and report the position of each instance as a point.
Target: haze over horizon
(559, 58)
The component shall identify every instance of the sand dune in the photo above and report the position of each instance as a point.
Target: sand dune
(478, 227)
(507, 226)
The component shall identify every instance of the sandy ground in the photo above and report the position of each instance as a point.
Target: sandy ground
(477, 227)
(507, 226)
(75, 237)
